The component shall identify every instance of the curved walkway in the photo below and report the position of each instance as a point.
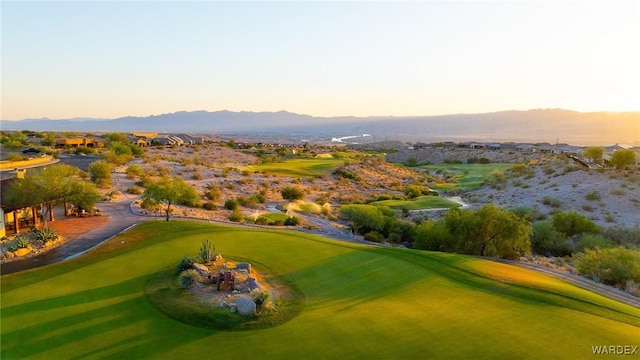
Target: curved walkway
(120, 218)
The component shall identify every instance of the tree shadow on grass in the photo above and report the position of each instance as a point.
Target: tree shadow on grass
(110, 310)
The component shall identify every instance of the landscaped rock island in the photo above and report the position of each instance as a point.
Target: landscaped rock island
(228, 284)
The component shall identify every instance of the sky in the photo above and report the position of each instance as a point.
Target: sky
(108, 59)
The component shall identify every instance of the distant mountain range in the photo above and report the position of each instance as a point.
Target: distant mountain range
(537, 125)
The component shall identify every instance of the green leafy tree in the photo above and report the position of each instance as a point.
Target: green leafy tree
(84, 196)
(490, 231)
(117, 138)
(594, 153)
(171, 191)
(433, 235)
(622, 158)
(49, 185)
(292, 193)
(367, 218)
(100, 173)
(572, 224)
(546, 240)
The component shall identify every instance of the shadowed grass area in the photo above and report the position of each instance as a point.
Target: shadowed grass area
(300, 167)
(420, 203)
(465, 176)
(360, 302)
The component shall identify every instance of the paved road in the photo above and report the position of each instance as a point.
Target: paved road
(120, 218)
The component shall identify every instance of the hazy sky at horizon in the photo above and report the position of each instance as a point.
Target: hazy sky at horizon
(112, 59)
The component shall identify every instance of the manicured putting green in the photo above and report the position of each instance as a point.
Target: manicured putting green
(300, 167)
(362, 302)
(420, 203)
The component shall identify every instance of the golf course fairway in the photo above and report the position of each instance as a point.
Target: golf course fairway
(360, 302)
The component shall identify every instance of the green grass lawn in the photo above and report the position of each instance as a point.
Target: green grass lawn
(466, 176)
(361, 302)
(300, 167)
(419, 203)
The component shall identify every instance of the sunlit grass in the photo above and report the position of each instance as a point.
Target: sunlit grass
(300, 167)
(420, 203)
(465, 176)
(358, 300)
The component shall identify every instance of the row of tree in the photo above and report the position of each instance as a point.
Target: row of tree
(620, 158)
(50, 186)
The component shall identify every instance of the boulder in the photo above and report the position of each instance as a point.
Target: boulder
(223, 304)
(244, 266)
(275, 294)
(201, 270)
(233, 309)
(245, 306)
(253, 284)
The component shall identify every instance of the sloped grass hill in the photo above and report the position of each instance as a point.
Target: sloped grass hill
(360, 302)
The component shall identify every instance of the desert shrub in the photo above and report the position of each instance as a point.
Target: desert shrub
(100, 172)
(292, 193)
(412, 191)
(346, 174)
(261, 220)
(213, 192)
(45, 234)
(20, 242)
(628, 237)
(411, 162)
(207, 251)
(236, 216)
(615, 266)
(374, 236)
(134, 190)
(260, 198)
(617, 192)
(292, 221)
(553, 202)
(265, 301)
(197, 175)
(520, 169)
(529, 213)
(278, 222)
(247, 201)
(84, 150)
(231, 204)
(185, 264)
(545, 240)
(209, 205)
(593, 196)
(187, 278)
(591, 241)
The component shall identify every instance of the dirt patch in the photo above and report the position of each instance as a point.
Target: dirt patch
(72, 227)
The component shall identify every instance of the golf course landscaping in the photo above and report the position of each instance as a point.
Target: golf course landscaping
(420, 203)
(465, 176)
(301, 168)
(347, 301)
